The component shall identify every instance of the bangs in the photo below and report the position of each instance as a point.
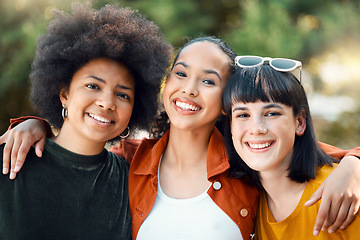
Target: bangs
(261, 84)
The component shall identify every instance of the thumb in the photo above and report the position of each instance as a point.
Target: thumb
(39, 147)
(315, 197)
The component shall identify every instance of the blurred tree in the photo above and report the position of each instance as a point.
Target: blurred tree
(302, 30)
(20, 25)
(344, 133)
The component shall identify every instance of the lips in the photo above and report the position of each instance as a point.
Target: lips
(99, 119)
(187, 106)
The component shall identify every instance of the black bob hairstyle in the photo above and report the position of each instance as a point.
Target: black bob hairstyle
(265, 84)
(162, 123)
(120, 34)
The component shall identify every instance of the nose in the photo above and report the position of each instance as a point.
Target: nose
(258, 126)
(190, 88)
(106, 101)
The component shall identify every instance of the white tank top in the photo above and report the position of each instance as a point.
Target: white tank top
(193, 218)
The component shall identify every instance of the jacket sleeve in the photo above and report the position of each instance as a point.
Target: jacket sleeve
(16, 121)
(339, 153)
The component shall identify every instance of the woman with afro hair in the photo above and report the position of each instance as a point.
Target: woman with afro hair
(96, 75)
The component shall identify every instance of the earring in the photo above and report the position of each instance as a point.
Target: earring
(299, 132)
(64, 112)
(126, 135)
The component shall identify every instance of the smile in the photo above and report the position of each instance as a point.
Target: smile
(100, 119)
(259, 146)
(187, 106)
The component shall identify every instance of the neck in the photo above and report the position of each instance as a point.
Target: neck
(282, 194)
(183, 168)
(187, 148)
(72, 142)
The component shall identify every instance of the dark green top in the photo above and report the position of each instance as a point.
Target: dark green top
(66, 196)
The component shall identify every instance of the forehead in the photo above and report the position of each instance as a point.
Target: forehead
(205, 55)
(107, 69)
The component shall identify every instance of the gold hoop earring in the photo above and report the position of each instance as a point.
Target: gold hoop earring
(126, 135)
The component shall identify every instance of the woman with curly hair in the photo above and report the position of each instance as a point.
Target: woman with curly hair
(96, 75)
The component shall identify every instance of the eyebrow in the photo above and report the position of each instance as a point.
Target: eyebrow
(271, 105)
(103, 81)
(207, 71)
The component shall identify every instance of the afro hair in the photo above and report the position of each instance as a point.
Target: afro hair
(73, 40)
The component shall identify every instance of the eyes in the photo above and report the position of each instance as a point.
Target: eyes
(181, 75)
(245, 115)
(93, 86)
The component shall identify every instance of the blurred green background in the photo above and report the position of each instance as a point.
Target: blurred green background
(324, 35)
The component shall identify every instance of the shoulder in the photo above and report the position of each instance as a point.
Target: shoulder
(322, 173)
(144, 150)
(115, 159)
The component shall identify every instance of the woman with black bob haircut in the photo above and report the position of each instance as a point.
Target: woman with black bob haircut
(96, 75)
(266, 84)
(270, 139)
(117, 33)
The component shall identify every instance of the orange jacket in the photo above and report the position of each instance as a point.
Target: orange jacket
(235, 197)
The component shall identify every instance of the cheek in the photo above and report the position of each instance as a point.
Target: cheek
(238, 130)
(124, 112)
(166, 89)
(127, 110)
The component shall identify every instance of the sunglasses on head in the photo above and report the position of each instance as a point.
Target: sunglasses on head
(279, 64)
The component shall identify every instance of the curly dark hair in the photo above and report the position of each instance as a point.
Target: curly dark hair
(73, 40)
(162, 122)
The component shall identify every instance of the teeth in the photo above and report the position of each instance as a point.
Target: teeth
(100, 119)
(259, 146)
(186, 106)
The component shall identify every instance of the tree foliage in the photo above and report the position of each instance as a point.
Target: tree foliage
(302, 30)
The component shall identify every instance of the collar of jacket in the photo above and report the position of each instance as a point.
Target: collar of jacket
(217, 159)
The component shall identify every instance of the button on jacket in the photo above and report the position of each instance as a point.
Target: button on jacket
(235, 197)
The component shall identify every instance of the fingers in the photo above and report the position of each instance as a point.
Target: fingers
(350, 216)
(4, 137)
(333, 215)
(336, 215)
(342, 217)
(7, 154)
(347, 214)
(315, 197)
(21, 147)
(321, 217)
(39, 147)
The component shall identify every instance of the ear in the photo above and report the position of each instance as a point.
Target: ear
(64, 96)
(301, 123)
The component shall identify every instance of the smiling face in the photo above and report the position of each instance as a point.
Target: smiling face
(193, 90)
(99, 101)
(263, 134)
